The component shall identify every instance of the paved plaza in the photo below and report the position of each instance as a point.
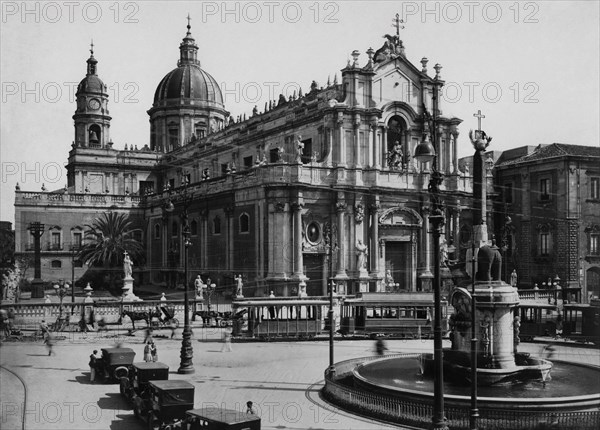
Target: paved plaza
(283, 380)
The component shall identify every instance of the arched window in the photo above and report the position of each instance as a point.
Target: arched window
(194, 227)
(94, 136)
(157, 231)
(217, 225)
(244, 223)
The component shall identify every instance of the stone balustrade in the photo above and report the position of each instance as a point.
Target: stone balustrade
(28, 314)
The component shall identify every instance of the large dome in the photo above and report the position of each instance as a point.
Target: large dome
(188, 84)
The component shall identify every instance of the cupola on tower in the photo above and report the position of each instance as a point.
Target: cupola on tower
(92, 122)
(188, 103)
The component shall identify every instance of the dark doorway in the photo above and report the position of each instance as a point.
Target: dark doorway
(398, 260)
(313, 269)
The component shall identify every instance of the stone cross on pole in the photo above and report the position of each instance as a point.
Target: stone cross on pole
(479, 116)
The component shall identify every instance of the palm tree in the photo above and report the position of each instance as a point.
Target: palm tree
(106, 242)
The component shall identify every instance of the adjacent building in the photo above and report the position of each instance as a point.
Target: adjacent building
(551, 193)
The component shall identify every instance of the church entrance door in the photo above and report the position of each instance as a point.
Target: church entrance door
(398, 259)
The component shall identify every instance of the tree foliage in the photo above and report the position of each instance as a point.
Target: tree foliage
(108, 238)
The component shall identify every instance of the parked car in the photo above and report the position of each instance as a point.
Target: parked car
(165, 404)
(136, 383)
(220, 419)
(115, 363)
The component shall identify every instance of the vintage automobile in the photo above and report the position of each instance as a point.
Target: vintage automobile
(115, 363)
(165, 404)
(136, 383)
(220, 419)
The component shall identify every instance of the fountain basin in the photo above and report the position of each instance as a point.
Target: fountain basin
(458, 369)
(573, 387)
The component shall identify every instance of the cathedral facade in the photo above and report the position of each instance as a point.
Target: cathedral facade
(317, 186)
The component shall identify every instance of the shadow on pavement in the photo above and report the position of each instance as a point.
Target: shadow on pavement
(113, 401)
(128, 422)
(84, 379)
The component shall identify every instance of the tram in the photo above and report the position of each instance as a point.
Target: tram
(406, 315)
(537, 319)
(272, 318)
(582, 322)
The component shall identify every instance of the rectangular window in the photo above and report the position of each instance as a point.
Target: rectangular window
(307, 151)
(544, 243)
(173, 138)
(172, 183)
(77, 239)
(594, 244)
(186, 178)
(248, 162)
(146, 187)
(508, 193)
(545, 189)
(55, 241)
(274, 155)
(595, 188)
(225, 168)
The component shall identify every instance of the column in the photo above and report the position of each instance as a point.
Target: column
(329, 137)
(374, 251)
(376, 146)
(341, 209)
(455, 134)
(341, 143)
(204, 239)
(426, 241)
(230, 226)
(298, 257)
(357, 147)
(382, 157)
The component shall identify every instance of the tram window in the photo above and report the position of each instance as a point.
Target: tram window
(370, 312)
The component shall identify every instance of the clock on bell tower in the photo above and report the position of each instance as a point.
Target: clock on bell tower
(92, 122)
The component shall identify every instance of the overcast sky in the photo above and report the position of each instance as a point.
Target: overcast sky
(531, 67)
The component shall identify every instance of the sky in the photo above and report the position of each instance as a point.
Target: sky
(532, 68)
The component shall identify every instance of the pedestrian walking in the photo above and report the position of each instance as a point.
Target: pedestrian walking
(250, 408)
(153, 351)
(226, 342)
(380, 346)
(94, 357)
(559, 326)
(50, 344)
(44, 329)
(148, 337)
(147, 353)
(172, 326)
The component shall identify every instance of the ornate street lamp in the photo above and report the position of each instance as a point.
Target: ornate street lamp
(61, 290)
(426, 152)
(186, 366)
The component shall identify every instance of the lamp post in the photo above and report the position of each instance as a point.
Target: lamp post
(61, 290)
(474, 410)
(186, 366)
(425, 152)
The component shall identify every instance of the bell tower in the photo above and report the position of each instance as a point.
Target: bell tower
(92, 122)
